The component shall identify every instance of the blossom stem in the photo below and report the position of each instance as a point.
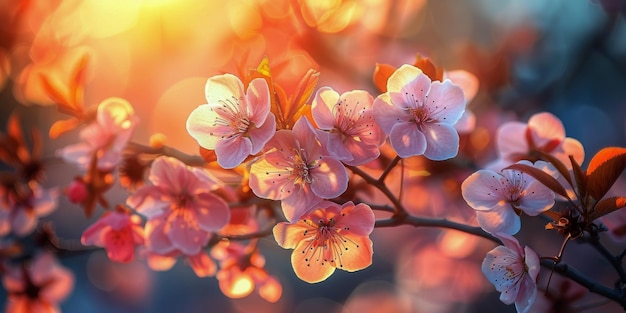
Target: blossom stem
(615, 261)
(191, 160)
(388, 169)
(575, 275)
(431, 222)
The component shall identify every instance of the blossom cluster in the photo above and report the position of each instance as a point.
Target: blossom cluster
(291, 167)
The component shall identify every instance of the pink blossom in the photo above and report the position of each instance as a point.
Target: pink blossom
(242, 269)
(118, 232)
(349, 130)
(21, 209)
(38, 286)
(182, 197)
(162, 253)
(105, 138)
(298, 171)
(498, 198)
(332, 236)
(543, 133)
(419, 115)
(513, 271)
(233, 124)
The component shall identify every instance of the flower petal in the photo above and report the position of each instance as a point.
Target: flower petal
(222, 87)
(357, 254)
(537, 199)
(120, 245)
(329, 179)
(500, 220)
(211, 212)
(311, 272)
(232, 151)
(261, 135)
(148, 201)
(322, 108)
(446, 102)
(480, 190)
(442, 141)
(357, 220)
(202, 265)
(289, 235)
(185, 234)
(407, 140)
(388, 115)
(511, 140)
(200, 126)
(258, 101)
(546, 127)
(408, 78)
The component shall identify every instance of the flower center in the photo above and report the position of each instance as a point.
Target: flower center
(326, 244)
(230, 115)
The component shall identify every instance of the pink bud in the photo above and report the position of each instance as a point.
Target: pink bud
(77, 191)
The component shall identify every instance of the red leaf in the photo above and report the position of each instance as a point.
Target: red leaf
(604, 169)
(541, 176)
(608, 205)
(580, 177)
(560, 167)
(382, 72)
(57, 95)
(77, 85)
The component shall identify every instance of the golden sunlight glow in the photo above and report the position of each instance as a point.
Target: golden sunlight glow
(245, 18)
(330, 16)
(456, 244)
(241, 287)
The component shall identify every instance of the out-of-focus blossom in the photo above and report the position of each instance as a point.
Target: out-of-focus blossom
(298, 171)
(565, 299)
(105, 138)
(513, 271)
(181, 197)
(616, 223)
(233, 124)
(347, 124)
(332, 236)
(21, 207)
(118, 232)
(241, 271)
(162, 252)
(544, 133)
(77, 191)
(499, 198)
(419, 115)
(38, 286)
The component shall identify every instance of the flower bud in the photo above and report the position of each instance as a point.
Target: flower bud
(77, 191)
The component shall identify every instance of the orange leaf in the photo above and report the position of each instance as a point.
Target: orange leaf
(541, 176)
(57, 95)
(208, 155)
(382, 72)
(61, 127)
(77, 85)
(608, 205)
(604, 169)
(429, 68)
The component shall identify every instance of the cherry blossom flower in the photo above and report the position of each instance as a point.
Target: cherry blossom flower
(21, 207)
(105, 138)
(513, 271)
(233, 124)
(162, 253)
(241, 270)
(349, 130)
(118, 232)
(38, 286)
(181, 196)
(298, 171)
(332, 236)
(544, 133)
(499, 198)
(419, 115)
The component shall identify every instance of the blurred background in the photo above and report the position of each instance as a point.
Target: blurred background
(567, 57)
